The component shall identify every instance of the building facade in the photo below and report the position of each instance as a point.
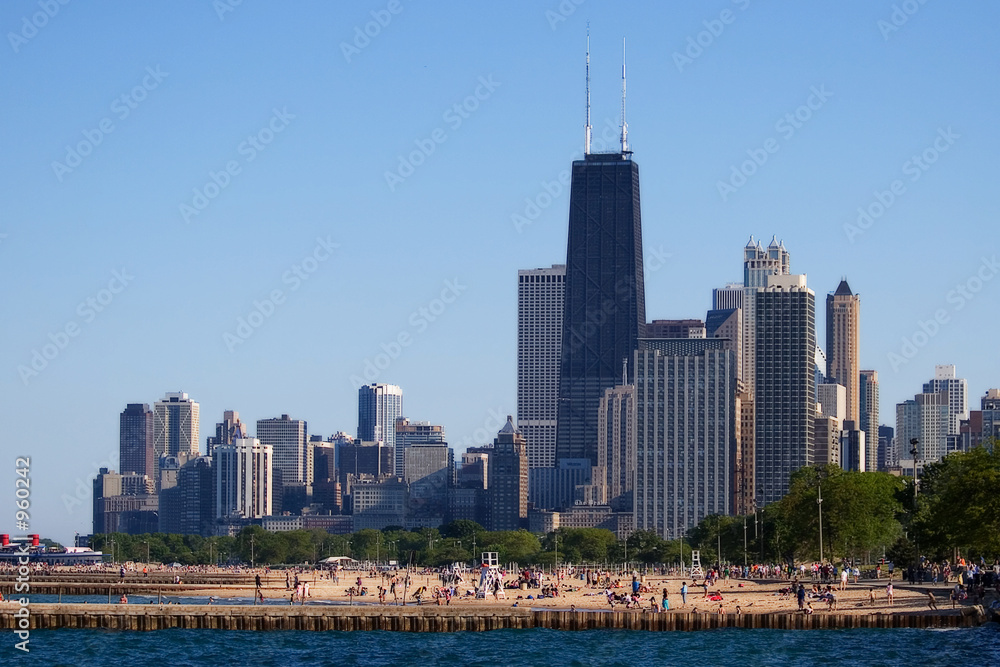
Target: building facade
(289, 440)
(868, 397)
(508, 480)
(541, 299)
(175, 428)
(687, 422)
(843, 340)
(379, 406)
(605, 311)
(136, 440)
(243, 479)
(785, 395)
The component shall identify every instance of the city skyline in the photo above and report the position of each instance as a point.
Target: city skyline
(135, 300)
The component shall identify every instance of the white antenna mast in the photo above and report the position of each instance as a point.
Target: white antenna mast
(624, 124)
(586, 144)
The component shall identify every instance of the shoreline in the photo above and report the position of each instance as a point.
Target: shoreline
(45, 616)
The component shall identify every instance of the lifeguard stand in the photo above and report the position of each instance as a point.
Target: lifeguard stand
(696, 570)
(489, 574)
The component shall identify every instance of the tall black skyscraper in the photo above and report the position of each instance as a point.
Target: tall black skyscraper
(605, 308)
(136, 439)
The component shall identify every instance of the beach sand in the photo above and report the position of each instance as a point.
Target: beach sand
(752, 596)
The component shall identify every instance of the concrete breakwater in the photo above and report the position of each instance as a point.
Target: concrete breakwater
(436, 619)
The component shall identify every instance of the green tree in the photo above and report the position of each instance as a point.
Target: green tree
(959, 503)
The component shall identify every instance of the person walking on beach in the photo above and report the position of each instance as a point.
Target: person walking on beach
(800, 595)
(871, 596)
(684, 594)
(931, 600)
(665, 602)
(888, 592)
(843, 579)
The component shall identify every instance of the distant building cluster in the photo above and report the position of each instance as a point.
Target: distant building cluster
(622, 423)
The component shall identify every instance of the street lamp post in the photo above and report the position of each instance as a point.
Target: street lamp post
(915, 451)
(819, 503)
(718, 535)
(744, 540)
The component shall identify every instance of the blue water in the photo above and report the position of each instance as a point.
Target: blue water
(829, 648)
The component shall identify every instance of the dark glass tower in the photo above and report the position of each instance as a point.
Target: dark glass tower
(605, 307)
(136, 439)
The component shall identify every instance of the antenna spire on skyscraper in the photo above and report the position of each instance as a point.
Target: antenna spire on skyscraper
(624, 124)
(586, 144)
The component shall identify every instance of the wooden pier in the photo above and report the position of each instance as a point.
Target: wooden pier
(436, 619)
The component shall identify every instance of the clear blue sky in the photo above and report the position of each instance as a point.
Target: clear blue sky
(329, 125)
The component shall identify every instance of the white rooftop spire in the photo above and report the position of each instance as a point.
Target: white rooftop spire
(586, 144)
(624, 124)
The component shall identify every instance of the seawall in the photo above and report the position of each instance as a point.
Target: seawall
(436, 619)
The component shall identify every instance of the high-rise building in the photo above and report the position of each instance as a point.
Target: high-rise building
(746, 482)
(227, 430)
(832, 399)
(675, 329)
(927, 417)
(197, 490)
(289, 441)
(853, 449)
(414, 433)
(124, 503)
(826, 440)
(136, 440)
(429, 469)
(785, 395)
(243, 479)
(728, 325)
(508, 480)
(541, 299)
(379, 406)
(687, 423)
(729, 297)
(945, 379)
(868, 401)
(758, 265)
(175, 428)
(355, 459)
(616, 445)
(605, 311)
(990, 408)
(885, 439)
(843, 326)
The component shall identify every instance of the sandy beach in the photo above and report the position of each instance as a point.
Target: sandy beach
(751, 596)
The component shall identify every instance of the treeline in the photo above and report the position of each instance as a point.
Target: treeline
(864, 516)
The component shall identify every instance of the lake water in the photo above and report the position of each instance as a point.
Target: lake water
(829, 648)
